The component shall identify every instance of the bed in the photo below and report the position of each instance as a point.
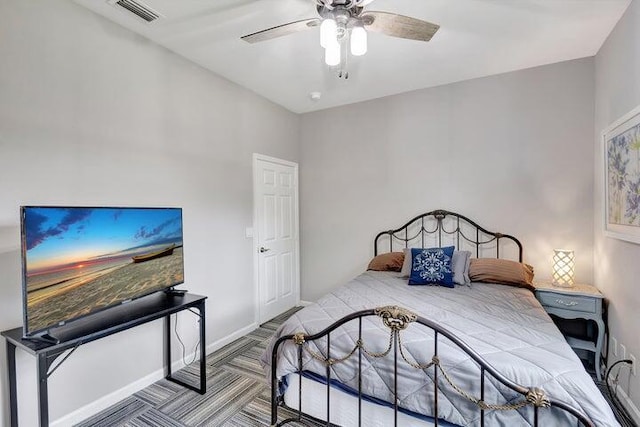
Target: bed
(378, 352)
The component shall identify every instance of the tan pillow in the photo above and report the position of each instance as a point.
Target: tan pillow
(391, 261)
(501, 271)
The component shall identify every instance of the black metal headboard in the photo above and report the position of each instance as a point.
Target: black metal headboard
(444, 228)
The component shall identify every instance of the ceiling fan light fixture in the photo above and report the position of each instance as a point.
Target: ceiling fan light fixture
(342, 30)
(358, 41)
(328, 32)
(332, 54)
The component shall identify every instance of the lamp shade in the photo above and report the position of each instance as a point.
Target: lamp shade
(332, 54)
(358, 41)
(563, 267)
(328, 32)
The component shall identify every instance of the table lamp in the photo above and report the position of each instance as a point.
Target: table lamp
(563, 267)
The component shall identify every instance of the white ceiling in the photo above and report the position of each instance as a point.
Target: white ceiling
(476, 38)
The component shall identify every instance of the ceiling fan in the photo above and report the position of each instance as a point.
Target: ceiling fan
(345, 22)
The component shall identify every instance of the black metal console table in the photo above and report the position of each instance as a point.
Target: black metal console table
(94, 327)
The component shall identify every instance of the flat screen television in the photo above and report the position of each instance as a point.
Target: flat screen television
(77, 261)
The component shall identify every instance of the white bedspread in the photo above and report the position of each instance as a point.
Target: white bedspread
(505, 325)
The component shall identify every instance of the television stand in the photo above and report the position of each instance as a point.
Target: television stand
(45, 338)
(91, 328)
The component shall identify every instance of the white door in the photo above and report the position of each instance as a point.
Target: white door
(275, 235)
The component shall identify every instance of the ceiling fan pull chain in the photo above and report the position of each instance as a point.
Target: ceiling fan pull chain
(343, 70)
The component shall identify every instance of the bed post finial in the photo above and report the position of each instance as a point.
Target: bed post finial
(440, 214)
(299, 338)
(538, 397)
(396, 318)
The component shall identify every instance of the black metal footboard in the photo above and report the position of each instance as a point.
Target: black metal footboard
(397, 319)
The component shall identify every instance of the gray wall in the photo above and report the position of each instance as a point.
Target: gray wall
(616, 264)
(91, 114)
(511, 151)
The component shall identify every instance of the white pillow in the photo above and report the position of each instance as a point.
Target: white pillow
(460, 267)
(405, 271)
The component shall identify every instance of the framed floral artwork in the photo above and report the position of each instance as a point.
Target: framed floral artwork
(621, 142)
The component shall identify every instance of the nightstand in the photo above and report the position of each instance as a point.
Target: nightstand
(578, 302)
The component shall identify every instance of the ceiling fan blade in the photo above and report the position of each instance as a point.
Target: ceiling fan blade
(281, 30)
(401, 26)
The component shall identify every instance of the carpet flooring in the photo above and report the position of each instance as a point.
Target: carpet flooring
(237, 392)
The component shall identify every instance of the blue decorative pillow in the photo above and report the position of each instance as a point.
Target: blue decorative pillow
(432, 266)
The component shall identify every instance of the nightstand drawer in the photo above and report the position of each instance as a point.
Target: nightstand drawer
(568, 302)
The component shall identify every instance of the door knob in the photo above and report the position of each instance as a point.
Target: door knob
(263, 249)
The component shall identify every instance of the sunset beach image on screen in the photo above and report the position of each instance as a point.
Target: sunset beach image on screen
(81, 260)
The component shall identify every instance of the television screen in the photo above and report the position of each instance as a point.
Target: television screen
(78, 260)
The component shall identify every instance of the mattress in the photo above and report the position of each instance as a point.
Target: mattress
(505, 325)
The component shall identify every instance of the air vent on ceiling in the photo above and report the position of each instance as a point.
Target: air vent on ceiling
(138, 9)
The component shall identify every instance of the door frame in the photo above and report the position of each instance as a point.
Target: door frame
(256, 230)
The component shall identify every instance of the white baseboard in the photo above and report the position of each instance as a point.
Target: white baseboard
(104, 402)
(629, 405)
(230, 338)
(305, 303)
(112, 398)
